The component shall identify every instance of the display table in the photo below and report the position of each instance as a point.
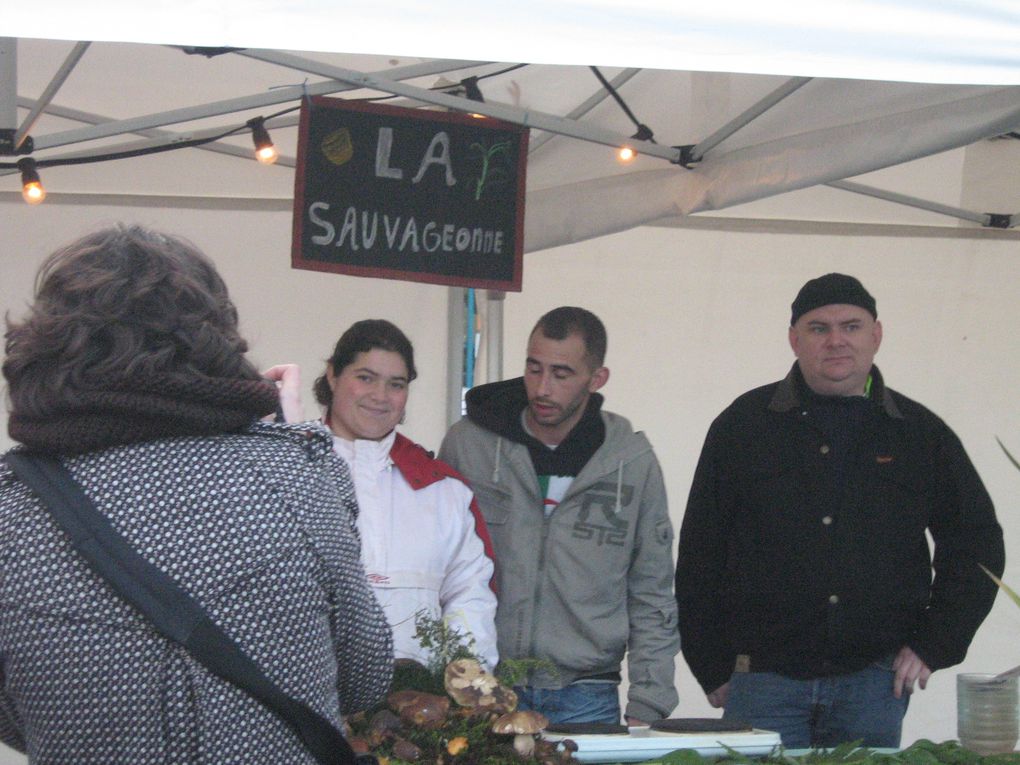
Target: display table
(640, 744)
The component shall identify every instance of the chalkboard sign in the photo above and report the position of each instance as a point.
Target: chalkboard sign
(410, 194)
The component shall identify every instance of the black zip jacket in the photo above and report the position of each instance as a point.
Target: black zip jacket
(803, 546)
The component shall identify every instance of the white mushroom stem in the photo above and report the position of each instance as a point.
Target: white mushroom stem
(524, 744)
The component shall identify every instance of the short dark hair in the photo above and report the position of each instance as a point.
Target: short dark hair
(559, 323)
(362, 337)
(121, 304)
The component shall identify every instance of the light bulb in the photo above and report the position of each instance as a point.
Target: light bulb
(626, 154)
(32, 190)
(265, 152)
(267, 155)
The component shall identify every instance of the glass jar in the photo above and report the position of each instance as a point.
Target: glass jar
(987, 717)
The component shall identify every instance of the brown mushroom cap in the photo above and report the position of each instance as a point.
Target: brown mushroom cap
(520, 722)
(472, 687)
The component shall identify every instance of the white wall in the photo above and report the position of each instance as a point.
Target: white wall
(697, 317)
(694, 319)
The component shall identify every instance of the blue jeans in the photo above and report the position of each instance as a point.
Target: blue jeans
(824, 712)
(586, 701)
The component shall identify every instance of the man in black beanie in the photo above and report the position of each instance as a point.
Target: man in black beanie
(804, 580)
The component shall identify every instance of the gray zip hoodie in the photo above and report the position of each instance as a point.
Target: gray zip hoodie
(591, 581)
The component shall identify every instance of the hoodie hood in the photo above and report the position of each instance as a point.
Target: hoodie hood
(498, 406)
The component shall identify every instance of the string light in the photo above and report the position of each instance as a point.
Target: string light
(473, 93)
(265, 151)
(32, 190)
(625, 155)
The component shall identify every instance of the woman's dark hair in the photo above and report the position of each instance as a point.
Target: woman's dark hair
(122, 304)
(362, 337)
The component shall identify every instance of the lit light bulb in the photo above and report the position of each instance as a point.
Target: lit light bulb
(625, 154)
(265, 152)
(32, 190)
(267, 155)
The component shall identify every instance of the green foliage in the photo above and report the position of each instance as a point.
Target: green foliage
(444, 641)
(1009, 456)
(1002, 585)
(921, 752)
(412, 676)
(511, 672)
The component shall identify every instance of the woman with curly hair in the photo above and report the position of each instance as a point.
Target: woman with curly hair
(130, 368)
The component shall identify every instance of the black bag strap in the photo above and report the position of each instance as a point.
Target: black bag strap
(174, 613)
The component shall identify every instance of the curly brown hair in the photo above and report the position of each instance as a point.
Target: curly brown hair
(122, 304)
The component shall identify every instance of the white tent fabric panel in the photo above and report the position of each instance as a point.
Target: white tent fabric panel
(907, 40)
(573, 212)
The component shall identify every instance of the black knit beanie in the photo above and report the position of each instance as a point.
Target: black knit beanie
(829, 289)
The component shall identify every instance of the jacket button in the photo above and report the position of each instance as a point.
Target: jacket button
(834, 599)
(824, 449)
(827, 520)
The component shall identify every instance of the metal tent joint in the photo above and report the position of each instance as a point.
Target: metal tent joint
(686, 158)
(8, 148)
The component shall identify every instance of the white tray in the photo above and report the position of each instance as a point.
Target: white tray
(642, 744)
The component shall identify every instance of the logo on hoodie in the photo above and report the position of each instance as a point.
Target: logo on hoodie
(599, 517)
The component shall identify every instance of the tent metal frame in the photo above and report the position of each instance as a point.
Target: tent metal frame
(344, 80)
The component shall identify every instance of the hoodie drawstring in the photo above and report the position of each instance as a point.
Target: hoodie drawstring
(619, 489)
(495, 469)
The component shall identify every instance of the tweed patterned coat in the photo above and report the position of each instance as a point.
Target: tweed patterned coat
(258, 527)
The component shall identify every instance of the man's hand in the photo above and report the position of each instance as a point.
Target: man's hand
(633, 722)
(910, 669)
(717, 698)
(288, 382)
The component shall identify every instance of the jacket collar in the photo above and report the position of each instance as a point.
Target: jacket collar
(418, 466)
(788, 394)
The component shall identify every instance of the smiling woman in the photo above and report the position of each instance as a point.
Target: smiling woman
(424, 543)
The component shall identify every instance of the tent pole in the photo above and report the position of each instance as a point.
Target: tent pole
(456, 336)
(231, 105)
(8, 83)
(51, 90)
(494, 301)
(749, 115)
(525, 117)
(903, 199)
(582, 109)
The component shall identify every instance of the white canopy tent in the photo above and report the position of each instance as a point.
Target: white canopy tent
(790, 111)
(755, 100)
(892, 117)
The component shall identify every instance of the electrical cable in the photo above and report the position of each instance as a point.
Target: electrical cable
(644, 133)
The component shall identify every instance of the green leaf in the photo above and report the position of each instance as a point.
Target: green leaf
(1002, 585)
(1008, 455)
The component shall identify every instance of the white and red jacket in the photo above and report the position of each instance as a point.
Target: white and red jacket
(423, 542)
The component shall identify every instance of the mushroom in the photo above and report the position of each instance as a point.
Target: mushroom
(405, 750)
(421, 710)
(383, 725)
(477, 690)
(457, 745)
(567, 748)
(358, 745)
(524, 726)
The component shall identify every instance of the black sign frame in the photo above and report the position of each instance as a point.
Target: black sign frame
(379, 190)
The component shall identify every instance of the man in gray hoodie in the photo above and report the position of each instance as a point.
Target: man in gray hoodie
(576, 508)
